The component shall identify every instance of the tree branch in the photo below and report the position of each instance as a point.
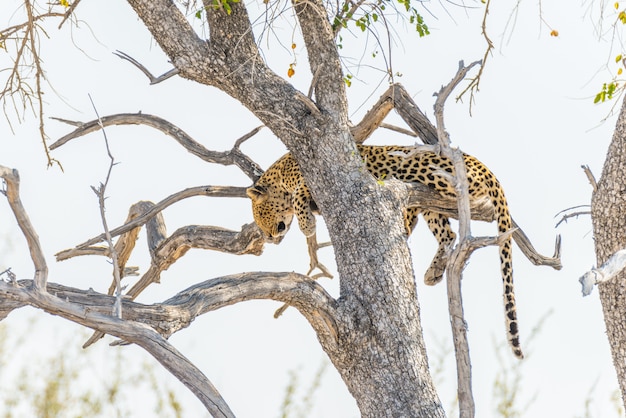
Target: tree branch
(93, 310)
(12, 180)
(461, 252)
(323, 57)
(149, 325)
(232, 157)
(59, 303)
(215, 191)
(153, 79)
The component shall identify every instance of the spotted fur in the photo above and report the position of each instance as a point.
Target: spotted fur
(281, 192)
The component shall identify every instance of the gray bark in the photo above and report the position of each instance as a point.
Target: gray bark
(608, 212)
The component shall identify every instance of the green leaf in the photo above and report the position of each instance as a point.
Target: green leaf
(598, 98)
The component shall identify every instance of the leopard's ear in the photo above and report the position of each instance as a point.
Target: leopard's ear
(257, 193)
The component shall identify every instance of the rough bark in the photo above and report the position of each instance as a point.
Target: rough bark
(379, 350)
(608, 212)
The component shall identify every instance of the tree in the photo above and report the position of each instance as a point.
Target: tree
(607, 213)
(362, 322)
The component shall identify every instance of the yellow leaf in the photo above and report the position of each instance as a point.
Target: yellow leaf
(65, 3)
(554, 33)
(290, 71)
(618, 58)
(619, 71)
(616, 5)
(293, 46)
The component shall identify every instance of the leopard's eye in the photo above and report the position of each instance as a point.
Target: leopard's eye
(281, 226)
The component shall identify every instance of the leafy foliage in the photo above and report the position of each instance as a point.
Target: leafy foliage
(607, 92)
(371, 13)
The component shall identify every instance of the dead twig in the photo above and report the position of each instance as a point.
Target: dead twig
(590, 177)
(100, 191)
(575, 214)
(153, 79)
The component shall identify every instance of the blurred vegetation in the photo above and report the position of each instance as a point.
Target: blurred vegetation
(298, 402)
(74, 382)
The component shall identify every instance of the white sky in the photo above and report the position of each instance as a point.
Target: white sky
(533, 123)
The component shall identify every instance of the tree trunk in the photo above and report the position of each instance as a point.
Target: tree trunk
(377, 344)
(608, 211)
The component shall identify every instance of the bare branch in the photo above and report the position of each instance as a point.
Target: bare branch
(460, 253)
(474, 83)
(249, 240)
(12, 180)
(531, 254)
(153, 79)
(395, 97)
(319, 38)
(74, 305)
(232, 157)
(215, 191)
(27, 67)
(100, 192)
(575, 214)
(590, 177)
(179, 311)
(398, 129)
(69, 12)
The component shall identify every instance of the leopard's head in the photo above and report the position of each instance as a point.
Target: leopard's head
(272, 210)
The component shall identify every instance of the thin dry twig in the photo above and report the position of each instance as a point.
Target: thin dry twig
(590, 177)
(460, 253)
(100, 192)
(69, 12)
(27, 67)
(153, 79)
(475, 82)
(574, 214)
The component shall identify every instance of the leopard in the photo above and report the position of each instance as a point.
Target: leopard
(281, 192)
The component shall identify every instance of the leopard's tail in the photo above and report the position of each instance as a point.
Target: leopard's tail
(506, 265)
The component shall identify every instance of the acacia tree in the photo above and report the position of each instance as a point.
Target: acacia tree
(372, 332)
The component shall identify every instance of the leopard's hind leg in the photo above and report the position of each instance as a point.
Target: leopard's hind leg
(439, 225)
